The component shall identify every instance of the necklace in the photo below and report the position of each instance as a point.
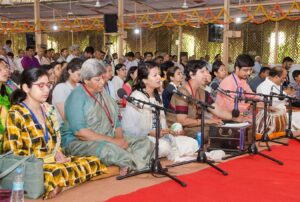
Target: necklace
(104, 107)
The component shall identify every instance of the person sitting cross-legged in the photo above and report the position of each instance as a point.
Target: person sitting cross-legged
(32, 128)
(93, 125)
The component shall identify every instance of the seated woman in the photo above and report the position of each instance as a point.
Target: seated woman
(68, 81)
(108, 86)
(4, 98)
(188, 114)
(174, 78)
(129, 82)
(32, 128)
(94, 128)
(118, 79)
(52, 79)
(219, 72)
(141, 122)
(57, 70)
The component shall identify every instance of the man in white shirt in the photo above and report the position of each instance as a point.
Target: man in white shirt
(40, 57)
(131, 61)
(75, 52)
(18, 60)
(63, 55)
(276, 117)
(257, 66)
(277, 76)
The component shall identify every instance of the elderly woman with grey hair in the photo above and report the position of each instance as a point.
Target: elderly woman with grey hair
(93, 125)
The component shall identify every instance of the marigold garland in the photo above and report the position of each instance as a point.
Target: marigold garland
(192, 18)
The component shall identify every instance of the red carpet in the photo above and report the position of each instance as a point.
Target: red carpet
(251, 178)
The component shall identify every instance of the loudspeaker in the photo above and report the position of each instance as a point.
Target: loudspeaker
(30, 40)
(111, 23)
(215, 33)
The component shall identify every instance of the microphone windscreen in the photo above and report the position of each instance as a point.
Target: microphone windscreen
(235, 113)
(170, 89)
(121, 93)
(214, 86)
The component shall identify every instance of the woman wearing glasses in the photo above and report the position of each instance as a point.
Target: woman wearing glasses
(4, 94)
(93, 125)
(32, 128)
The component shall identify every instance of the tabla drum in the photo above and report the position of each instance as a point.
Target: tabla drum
(276, 124)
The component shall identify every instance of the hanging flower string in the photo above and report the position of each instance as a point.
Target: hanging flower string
(170, 19)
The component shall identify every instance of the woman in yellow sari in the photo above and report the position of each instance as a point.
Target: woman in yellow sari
(32, 128)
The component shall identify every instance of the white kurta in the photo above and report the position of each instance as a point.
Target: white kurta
(117, 83)
(139, 121)
(267, 87)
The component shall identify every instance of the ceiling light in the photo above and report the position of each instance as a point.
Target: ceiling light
(55, 27)
(238, 20)
(136, 30)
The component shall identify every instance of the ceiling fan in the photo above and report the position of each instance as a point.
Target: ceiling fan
(70, 12)
(96, 5)
(185, 5)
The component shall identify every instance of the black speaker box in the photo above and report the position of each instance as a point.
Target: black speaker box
(30, 39)
(215, 33)
(111, 23)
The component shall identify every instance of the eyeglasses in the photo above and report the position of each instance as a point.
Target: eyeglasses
(42, 85)
(247, 69)
(97, 79)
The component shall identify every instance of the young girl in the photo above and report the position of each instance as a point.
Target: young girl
(57, 70)
(129, 82)
(218, 73)
(68, 81)
(174, 78)
(32, 128)
(118, 80)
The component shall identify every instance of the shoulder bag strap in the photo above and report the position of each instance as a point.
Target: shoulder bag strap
(14, 166)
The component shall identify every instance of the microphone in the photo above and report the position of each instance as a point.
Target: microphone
(215, 86)
(236, 112)
(122, 94)
(172, 90)
(281, 96)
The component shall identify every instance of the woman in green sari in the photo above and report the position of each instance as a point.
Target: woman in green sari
(4, 101)
(93, 126)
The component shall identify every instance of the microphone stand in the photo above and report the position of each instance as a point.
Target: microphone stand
(155, 167)
(289, 133)
(265, 137)
(201, 156)
(253, 148)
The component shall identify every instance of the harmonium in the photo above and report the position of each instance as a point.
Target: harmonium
(233, 137)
